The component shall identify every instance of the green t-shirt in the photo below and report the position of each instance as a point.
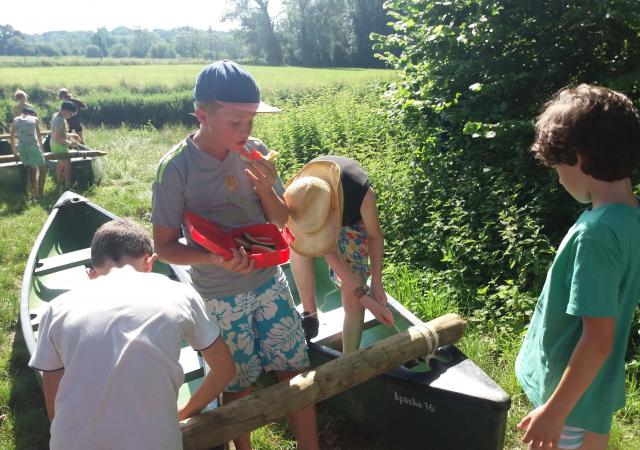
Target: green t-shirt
(596, 273)
(58, 125)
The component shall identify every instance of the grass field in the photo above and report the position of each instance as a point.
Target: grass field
(170, 75)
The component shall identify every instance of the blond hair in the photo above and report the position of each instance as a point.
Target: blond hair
(19, 93)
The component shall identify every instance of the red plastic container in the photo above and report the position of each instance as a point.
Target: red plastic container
(212, 237)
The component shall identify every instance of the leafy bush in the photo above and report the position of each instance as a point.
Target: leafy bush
(475, 74)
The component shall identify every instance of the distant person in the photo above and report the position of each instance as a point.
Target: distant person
(333, 213)
(29, 149)
(206, 174)
(108, 350)
(22, 100)
(61, 140)
(74, 122)
(571, 364)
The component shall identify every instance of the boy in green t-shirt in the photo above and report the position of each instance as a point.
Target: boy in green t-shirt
(571, 364)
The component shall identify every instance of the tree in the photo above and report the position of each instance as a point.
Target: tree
(161, 50)
(119, 51)
(141, 43)
(93, 51)
(367, 16)
(102, 39)
(258, 25)
(6, 33)
(20, 46)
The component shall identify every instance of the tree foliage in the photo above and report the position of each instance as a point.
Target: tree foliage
(475, 73)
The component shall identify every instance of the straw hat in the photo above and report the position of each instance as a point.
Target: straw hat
(314, 198)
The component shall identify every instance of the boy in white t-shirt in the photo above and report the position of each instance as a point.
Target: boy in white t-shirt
(109, 350)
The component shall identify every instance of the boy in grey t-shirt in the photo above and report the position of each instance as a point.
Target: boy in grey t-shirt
(205, 174)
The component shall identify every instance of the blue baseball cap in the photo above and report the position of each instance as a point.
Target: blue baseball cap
(229, 84)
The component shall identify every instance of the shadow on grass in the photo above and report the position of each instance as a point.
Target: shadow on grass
(31, 425)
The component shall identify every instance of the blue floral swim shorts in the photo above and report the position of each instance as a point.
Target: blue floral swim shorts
(263, 331)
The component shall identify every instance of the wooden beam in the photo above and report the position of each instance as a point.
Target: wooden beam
(57, 156)
(6, 136)
(241, 416)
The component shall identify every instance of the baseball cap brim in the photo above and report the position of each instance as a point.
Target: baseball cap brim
(261, 107)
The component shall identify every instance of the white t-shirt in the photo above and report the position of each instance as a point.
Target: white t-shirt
(118, 339)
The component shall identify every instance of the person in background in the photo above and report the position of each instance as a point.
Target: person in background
(108, 350)
(348, 236)
(207, 175)
(29, 149)
(61, 140)
(74, 122)
(571, 364)
(22, 100)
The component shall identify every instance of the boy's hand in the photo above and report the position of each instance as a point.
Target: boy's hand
(239, 262)
(380, 311)
(378, 292)
(262, 174)
(543, 426)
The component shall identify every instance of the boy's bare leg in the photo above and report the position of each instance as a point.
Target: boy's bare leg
(353, 322)
(592, 441)
(60, 172)
(33, 179)
(303, 422)
(67, 172)
(242, 442)
(42, 178)
(305, 277)
(595, 441)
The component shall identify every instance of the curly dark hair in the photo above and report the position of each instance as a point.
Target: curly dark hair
(117, 239)
(599, 124)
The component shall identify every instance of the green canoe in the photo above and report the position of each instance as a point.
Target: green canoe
(447, 403)
(14, 177)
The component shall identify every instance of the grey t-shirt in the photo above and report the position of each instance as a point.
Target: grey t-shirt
(189, 179)
(26, 130)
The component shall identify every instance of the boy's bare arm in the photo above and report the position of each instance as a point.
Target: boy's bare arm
(12, 138)
(544, 424)
(375, 243)
(171, 250)
(50, 384)
(262, 173)
(39, 135)
(222, 371)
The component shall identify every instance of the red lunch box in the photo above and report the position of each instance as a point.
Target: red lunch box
(212, 237)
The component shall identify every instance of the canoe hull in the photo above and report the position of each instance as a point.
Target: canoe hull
(447, 403)
(406, 411)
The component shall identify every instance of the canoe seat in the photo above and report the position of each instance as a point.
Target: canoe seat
(331, 324)
(192, 363)
(62, 262)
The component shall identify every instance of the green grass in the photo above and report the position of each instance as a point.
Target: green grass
(171, 75)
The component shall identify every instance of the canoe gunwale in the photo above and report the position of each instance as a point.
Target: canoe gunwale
(67, 200)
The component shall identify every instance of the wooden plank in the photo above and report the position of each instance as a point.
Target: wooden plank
(62, 262)
(56, 156)
(8, 135)
(241, 416)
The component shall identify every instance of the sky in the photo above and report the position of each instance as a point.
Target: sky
(92, 14)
